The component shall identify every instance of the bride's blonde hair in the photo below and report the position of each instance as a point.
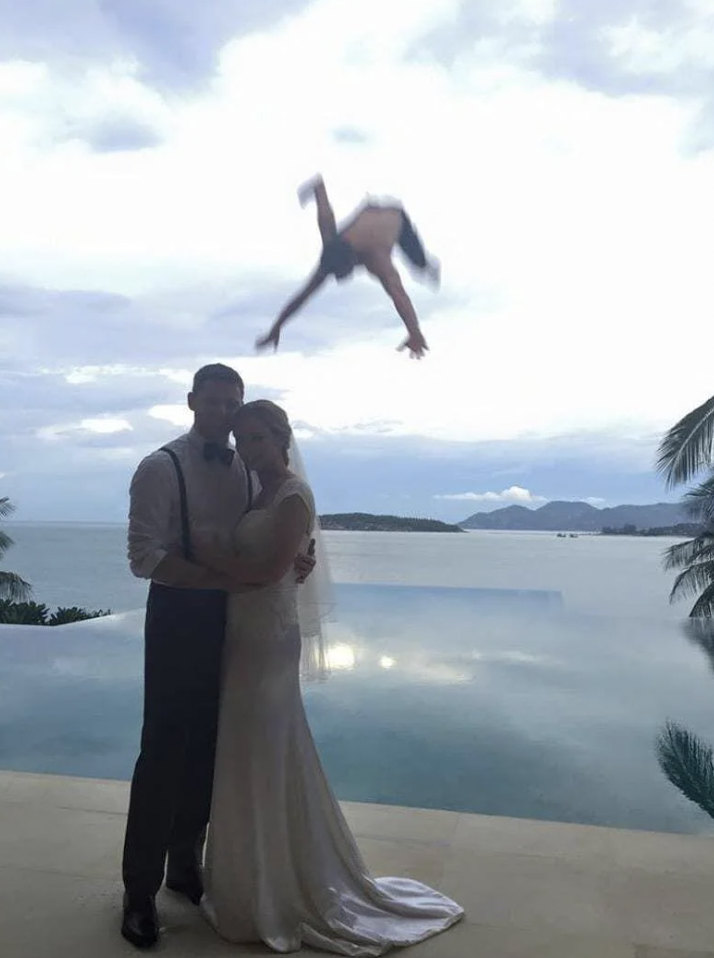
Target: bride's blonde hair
(275, 420)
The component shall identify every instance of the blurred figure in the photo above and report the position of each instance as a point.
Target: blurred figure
(367, 241)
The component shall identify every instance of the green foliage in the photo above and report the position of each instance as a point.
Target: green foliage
(680, 529)
(15, 609)
(685, 450)
(699, 502)
(695, 558)
(12, 586)
(23, 613)
(366, 522)
(63, 616)
(37, 613)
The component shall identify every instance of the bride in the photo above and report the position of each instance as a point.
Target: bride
(282, 866)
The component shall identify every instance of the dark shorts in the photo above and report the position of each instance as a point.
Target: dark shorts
(338, 256)
(410, 244)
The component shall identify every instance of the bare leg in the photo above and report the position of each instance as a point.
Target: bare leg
(315, 188)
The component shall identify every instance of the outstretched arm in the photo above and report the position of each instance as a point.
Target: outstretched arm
(384, 270)
(310, 288)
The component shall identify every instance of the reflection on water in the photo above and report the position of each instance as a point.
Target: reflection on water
(340, 656)
(478, 700)
(687, 760)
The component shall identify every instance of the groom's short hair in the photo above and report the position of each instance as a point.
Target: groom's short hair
(217, 372)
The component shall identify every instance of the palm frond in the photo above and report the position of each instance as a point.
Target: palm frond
(698, 549)
(689, 765)
(687, 447)
(14, 587)
(6, 509)
(5, 543)
(692, 580)
(699, 501)
(704, 606)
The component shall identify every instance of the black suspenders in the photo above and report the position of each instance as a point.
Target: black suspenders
(185, 532)
(185, 529)
(249, 483)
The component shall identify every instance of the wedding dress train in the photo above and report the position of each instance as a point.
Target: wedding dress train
(282, 866)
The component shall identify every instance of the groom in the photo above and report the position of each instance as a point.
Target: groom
(195, 484)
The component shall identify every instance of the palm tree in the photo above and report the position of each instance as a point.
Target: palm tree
(695, 557)
(12, 586)
(686, 450)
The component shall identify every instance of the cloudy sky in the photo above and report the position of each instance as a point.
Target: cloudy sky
(556, 155)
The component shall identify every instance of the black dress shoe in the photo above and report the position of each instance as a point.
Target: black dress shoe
(188, 883)
(140, 924)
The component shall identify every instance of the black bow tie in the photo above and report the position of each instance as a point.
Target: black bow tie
(214, 450)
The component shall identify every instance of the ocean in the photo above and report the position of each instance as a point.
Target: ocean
(85, 565)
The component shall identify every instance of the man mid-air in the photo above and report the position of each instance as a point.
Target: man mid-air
(367, 241)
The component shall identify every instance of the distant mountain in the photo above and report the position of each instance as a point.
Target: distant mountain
(577, 517)
(365, 522)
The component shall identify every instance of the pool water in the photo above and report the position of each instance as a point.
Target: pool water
(493, 701)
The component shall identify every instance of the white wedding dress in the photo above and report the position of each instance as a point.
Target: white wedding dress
(281, 865)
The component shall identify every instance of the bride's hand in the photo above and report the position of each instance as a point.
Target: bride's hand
(304, 564)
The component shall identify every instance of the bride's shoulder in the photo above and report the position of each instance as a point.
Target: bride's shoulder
(297, 485)
(294, 485)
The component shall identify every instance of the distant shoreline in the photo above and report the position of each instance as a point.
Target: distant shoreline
(682, 530)
(367, 522)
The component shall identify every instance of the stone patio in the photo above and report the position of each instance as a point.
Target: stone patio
(530, 889)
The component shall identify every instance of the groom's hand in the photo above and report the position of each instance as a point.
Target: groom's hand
(304, 564)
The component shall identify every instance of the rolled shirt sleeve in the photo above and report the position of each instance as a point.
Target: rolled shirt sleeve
(150, 497)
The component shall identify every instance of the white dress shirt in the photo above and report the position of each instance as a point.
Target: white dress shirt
(216, 494)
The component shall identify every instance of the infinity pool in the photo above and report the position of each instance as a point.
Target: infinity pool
(491, 701)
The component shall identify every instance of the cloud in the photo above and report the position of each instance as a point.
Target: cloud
(150, 224)
(621, 48)
(174, 43)
(105, 108)
(78, 334)
(346, 134)
(114, 134)
(514, 494)
(102, 425)
(63, 462)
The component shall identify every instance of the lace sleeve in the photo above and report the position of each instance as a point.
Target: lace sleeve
(296, 487)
